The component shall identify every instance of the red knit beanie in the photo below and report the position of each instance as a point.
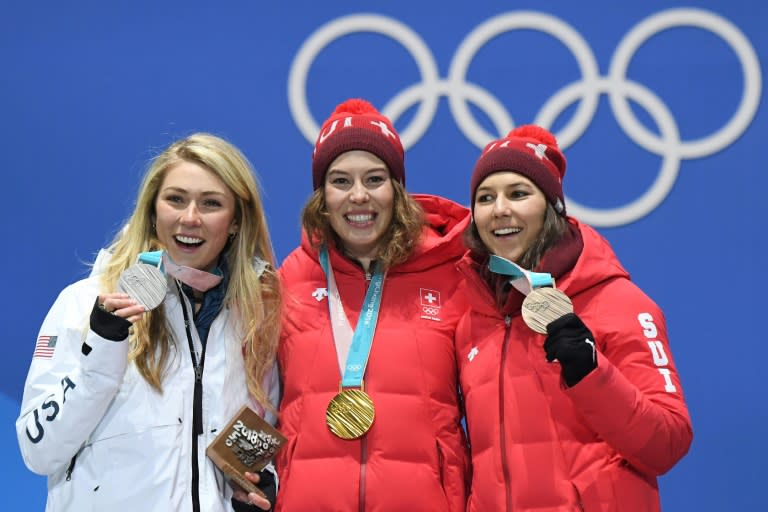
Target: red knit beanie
(528, 150)
(356, 124)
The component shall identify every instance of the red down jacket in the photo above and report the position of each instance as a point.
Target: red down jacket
(414, 457)
(597, 446)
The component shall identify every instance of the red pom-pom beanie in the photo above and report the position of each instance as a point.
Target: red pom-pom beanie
(528, 150)
(357, 125)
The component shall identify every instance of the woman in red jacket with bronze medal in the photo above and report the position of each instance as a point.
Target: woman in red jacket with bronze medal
(370, 402)
(573, 401)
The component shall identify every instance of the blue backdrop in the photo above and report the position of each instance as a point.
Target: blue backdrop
(658, 107)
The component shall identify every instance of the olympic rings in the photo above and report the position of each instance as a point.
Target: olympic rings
(587, 91)
(431, 311)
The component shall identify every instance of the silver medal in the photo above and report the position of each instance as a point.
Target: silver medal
(143, 283)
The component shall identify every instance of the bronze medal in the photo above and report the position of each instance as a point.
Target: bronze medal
(544, 305)
(144, 283)
(350, 414)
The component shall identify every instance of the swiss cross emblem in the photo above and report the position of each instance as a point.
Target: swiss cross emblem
(430, 304)
(540, 150)
(430, 298)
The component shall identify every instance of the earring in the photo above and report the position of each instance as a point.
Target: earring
(232, 236)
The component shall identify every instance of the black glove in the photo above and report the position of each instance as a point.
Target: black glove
(267, 486)
(573, 345)
(107, 325)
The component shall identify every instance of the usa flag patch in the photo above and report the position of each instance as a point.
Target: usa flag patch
(44, 347)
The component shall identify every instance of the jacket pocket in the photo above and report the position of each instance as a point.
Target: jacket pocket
(579, 502)
(440, 464)
(453, 478)
(619, 487)
(134, 457)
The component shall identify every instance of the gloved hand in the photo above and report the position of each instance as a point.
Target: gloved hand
(573, 345)
(267, 485)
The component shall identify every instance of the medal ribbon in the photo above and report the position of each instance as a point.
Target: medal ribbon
(197, 279)
(359, 348)
(524, 280)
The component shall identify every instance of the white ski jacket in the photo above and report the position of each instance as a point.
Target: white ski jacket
(109, 442)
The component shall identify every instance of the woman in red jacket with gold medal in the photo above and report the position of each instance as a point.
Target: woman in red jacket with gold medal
(370, 403)
(573, 401)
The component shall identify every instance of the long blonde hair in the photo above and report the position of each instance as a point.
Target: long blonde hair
(256, 299)
(399, 240)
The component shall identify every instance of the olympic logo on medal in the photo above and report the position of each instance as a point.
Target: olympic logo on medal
(587, 91)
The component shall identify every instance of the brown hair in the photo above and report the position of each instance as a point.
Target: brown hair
(399, 240)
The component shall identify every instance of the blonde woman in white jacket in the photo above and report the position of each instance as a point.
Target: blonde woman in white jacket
(120, 402)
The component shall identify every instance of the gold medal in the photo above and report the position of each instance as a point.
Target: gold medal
(350, 413)
(544, 305)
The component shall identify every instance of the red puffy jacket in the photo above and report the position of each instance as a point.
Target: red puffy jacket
(597, 446)
(414, 457)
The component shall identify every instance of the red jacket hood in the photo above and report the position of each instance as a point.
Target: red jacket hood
(597, 263)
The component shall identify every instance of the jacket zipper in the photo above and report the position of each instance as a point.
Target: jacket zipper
(472, 276)
(363, 460)
(197, 403)
(502, 424)
(71, 467)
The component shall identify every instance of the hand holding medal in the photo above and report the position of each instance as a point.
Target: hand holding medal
(572, 344)
(543, 302)
(543, 306)
(140, 288)
(549, 311)
(144, 283)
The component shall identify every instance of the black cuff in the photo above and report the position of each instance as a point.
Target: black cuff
(267, 486)
(239, 506)
(107, 325)
(573, 373)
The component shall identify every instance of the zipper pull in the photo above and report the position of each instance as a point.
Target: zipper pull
(71, 467)
(197, 408)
